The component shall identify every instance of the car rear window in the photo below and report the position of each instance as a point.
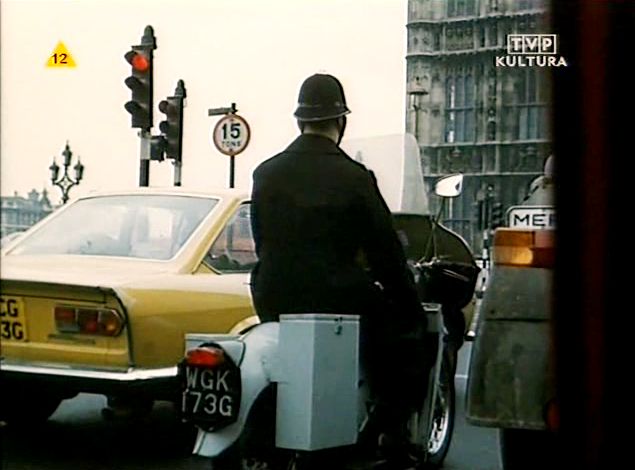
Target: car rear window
(134, 226)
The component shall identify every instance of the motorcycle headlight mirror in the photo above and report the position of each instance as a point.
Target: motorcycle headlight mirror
(449, 186)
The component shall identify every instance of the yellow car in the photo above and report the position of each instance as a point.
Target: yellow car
(98, 296)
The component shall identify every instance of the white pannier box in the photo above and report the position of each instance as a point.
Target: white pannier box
(318, 384)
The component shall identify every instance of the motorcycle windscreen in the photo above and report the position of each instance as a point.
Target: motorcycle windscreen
(395, 161)
(420, 242)
(415, 232)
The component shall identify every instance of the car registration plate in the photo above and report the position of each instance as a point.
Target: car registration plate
(211, 396)
(12, 319)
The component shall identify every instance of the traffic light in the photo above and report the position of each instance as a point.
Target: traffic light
(497, 215)
(172, 127)
(140, 81)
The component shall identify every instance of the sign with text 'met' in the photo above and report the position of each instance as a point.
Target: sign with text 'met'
(533, 217)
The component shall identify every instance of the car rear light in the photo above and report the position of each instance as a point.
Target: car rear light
(88, 321)
(207, 356)
(111, 322)
(66, 319)
(522, 247)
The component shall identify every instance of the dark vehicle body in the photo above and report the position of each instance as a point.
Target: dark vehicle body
(511, 377)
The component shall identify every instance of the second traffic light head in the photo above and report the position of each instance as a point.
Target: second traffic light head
(140, 83)
(172, 126)
(497, 215)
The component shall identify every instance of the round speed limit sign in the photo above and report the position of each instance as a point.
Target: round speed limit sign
(231, 134)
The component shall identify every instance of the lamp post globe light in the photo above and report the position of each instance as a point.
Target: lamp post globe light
(65, 183)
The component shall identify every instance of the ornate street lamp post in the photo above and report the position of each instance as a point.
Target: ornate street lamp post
(65, 183)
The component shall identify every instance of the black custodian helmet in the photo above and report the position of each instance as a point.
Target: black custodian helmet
(321, 98)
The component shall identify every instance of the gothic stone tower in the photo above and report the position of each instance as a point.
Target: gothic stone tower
(489, 123)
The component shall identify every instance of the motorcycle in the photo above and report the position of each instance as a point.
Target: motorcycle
(294, 393)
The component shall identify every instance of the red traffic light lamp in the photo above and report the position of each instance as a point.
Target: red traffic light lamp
(139, 62)
(140, 80)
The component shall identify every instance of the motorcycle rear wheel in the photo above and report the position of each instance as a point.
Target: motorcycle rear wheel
(433, 448)
(442, 421)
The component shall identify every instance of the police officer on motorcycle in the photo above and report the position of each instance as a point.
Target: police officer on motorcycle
(326, 244)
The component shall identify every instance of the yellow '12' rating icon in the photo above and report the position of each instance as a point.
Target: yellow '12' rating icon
(61, 57)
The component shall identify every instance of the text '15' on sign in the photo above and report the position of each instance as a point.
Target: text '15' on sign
(231, 134)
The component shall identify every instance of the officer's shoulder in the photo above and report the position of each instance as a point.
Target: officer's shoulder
(358, 166)
(361, 173)
(266, 164)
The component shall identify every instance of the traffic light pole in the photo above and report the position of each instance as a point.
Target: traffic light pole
(180, 93)
(177, 173)
(144, 152)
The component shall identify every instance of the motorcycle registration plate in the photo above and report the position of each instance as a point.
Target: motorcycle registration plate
(211, 396)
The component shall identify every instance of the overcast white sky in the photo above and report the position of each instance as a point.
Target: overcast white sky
(255, 53)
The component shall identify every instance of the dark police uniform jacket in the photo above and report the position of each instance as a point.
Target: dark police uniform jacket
(314, 210)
